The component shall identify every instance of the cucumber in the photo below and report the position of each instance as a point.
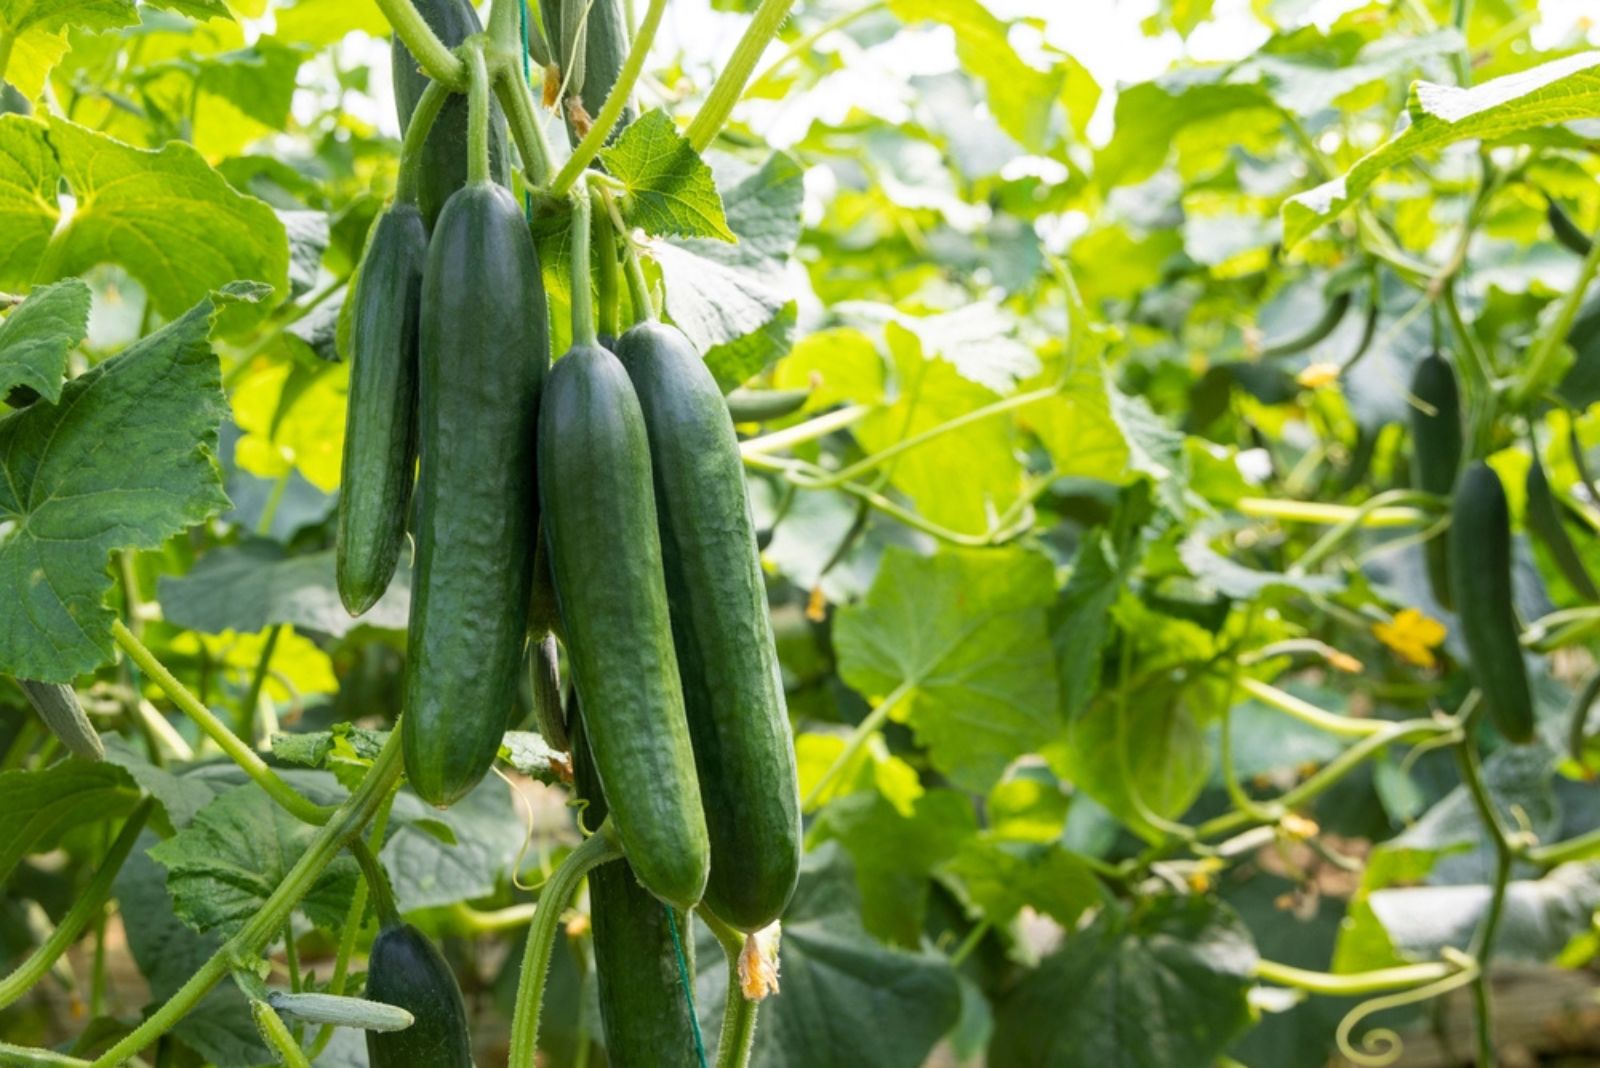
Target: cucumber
(1480, 577)
(58, 706)
(1436, 454)
(1318, 332)
(1544, 521)
(380, 437)
(444, 163)
(407, 971)
(606, 37)
(644, 1010)
(605, 557)
(544, 667)
(484, 348)
(722, 630)
(759, 405)
(1567, 233)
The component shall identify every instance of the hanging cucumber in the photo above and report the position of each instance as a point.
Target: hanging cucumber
(1436, 454)
(605, 556)
(646, 1013)
(58, 706)
(760, 405)
(721, 628)
(595, 36)
(1480, 578)
(1544, 521)
(1319, 331)
(444, 162)
(484, 349)
(1567, 233)
(407, 971)
(380, 441)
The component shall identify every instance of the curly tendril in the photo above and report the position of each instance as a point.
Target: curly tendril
(1382, 1046)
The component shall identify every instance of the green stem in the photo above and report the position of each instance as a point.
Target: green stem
(377, 883)
(260, 929)
(478, 167)
(1483, 941)
(432, 55)
(512, 89)
(616, 102)
(1310, 714)
(869, 725)
(422, 120)
(1355, 983)
(713, 114)
(644, 306)
(805, 43)
(1547, 346)
(480, 921)
(1583, 847)
(240, 753)
(252, 699)
(273, 1029)
(738, 1020)
(1333, 538)
(800, 433)
(1330, 514)
(583, 332)
(606, 278)
(29, 1057)
(88, 905)
(597, 849)
(291, 954)
(505, 27)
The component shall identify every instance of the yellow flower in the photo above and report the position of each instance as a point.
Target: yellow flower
(1413, 635)
(1317, 375)
(758, 963)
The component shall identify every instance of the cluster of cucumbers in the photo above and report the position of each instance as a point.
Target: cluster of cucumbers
(601, 499)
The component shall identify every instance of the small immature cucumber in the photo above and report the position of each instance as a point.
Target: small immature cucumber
(1544, 520)
(643, 1007)
(1567, 233)
(380, 438)
(1436, 454)
(342, 1011)
(444, 163)
(484, 349)
(759, 405)
(605, 556)
(1480, 577)
(407, 971)
(601, 43)
(721, 629)
(58, 706)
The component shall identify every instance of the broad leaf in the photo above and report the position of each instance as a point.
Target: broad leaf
(42, 805)
(438, 858)
(36, 30)
(29, 175)
(36, 337)
(124, 461)
(671, 191)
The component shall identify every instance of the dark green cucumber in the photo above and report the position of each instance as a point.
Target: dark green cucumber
(721, 628)
(1436, 454)
(484, 349)
(407, 971)
(1566, 232)
(544, 667)
(643, 1007)
(1319, 331)
(605, 557)
(1544, 521)
(444, 153)
(380, 436)
(58, 706)
(1480, 578)
(606, 38)
(759, 405)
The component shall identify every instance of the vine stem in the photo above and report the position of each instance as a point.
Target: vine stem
(1355, 983)
(738, 1012)
(597, 849)
(869, 725)
(1330, 514)
(713, 114)
(583, 332)
(1504, 854)
(1547, 346)
(616, 102)
(230, 743)
(607, 276)
(431, 54)
(804, 44)
(800, 433)
(1310, 714)
(422, 120)
(377, 883)
(252, 699)
(273, 1029)
(478, 167)
(88, 905)
(260, 929)
(512, 89)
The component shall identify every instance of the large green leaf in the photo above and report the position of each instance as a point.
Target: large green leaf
(41, 805)
(122, 462)
(965, 633)
(37, 33)
(29, 175)
(1563, 90)
(36, 337)
(670, 189)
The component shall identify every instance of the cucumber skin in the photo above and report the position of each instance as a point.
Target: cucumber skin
(642, 1005)
(605, 557)
(380, 438)
(1436, 455)
(406, 970)
(1480, 577)
(57, 704)
(722, 630)
(484, 350)
(444, 162)
(606, 41)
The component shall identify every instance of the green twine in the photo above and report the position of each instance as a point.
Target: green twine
(688, 989)
(527, 72)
